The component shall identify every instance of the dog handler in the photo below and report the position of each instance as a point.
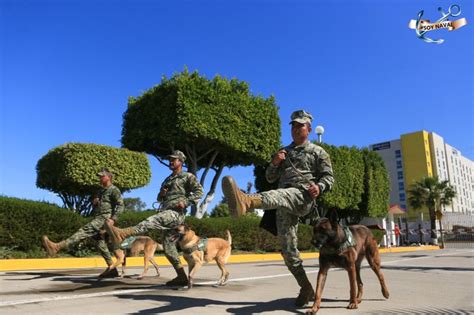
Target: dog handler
(178, 191)
(303, 171)
(108, 205)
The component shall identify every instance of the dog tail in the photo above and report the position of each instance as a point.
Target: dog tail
(229, 237)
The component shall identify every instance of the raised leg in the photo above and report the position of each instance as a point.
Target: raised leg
(374, 261)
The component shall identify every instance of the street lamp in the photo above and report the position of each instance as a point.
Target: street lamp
(319, 131)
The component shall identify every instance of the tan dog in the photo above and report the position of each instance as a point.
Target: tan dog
(140, 244)
(197, 251)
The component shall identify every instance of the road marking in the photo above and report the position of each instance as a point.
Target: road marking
(154, 288)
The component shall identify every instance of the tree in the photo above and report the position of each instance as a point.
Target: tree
(361, 187)
(217, 123)
(429, 192)
(220, 210)
(70, 170)
(134, 204)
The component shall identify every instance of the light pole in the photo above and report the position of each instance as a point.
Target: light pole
(319, 131)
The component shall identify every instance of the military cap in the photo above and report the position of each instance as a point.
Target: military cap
(104, 172)
(302, 117)
(177, 155)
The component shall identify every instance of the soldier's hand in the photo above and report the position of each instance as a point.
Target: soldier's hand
(110, 221)
(95, 201)
(163, 191)
(314, 190)
(279, 157)
(181, 205)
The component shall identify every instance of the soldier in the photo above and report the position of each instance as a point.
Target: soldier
(107, 205)
(303, 171)
(178, 191)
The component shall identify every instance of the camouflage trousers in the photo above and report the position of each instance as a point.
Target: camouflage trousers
(291, 203)
(165, 220)
(91, 230)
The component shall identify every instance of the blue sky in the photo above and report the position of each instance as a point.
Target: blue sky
(68, 67)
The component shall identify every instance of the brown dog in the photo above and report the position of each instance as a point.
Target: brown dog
(139, 244)
(338, 250)
(196, 251)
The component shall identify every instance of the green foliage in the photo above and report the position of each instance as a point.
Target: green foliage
(220, 210)
(190, 111)
(23, 222)
(348, 167)
(376, 197)
(72, 168)
(134, 204)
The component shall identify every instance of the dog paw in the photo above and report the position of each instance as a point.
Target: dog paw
(140, 278)
(312, 311)
(352, 306)
(385, 294)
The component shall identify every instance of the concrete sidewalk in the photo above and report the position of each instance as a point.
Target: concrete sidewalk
(97, 262)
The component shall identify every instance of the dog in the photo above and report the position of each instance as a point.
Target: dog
(341, 249)
(197, 251)
(138, 244)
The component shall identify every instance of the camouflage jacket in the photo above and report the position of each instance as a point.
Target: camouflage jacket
(312, 164)
(110, 202)
(182, 187)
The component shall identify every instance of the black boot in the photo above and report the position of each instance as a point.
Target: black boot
(180, 280)
(306, 292)
(109, 273)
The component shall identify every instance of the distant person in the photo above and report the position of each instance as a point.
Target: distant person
(397, 235)
(108, 204)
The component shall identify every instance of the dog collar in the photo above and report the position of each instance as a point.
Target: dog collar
(201, 245)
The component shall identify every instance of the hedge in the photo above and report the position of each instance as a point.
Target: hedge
(23, 222)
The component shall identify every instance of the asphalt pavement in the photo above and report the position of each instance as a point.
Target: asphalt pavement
(424, 282)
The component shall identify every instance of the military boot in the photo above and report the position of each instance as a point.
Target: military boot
(109, 273)
(51, 247)
(306, 289)
(239, 202)
(180, 280)
(118, 235)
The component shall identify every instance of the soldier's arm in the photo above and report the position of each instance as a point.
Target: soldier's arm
(194, 191)
(324, 171)
(118, 204)
(272, 173)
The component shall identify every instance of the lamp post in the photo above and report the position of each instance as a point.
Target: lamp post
(319, 131)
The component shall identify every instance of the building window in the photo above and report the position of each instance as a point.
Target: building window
(401, 186)
(400, 174)
(399, 164)
(402, 196)
(398, 153)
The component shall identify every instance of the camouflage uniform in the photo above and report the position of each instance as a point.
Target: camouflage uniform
(110, 206)
(304, 164)
(181, 187)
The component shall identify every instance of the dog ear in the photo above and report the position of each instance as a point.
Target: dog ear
(333, 217)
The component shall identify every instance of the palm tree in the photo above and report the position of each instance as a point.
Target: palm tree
(431, 193)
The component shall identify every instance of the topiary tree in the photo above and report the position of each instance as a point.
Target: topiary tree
(70, 170)
(361, 185)
(217, 123)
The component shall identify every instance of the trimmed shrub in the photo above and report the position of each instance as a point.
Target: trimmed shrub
(23, 222)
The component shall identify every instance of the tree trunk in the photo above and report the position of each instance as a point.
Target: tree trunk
(210, 195)
(434, 237)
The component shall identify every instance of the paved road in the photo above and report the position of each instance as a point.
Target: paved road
(428, 282)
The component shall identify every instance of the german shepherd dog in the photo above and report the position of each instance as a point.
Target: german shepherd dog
(336, 252)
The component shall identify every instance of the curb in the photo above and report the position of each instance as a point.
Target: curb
(98, 262)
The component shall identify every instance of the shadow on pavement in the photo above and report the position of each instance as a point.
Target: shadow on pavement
(422, 311)
(182, 303)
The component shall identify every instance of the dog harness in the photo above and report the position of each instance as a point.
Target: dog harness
(201, 245)
(127, 243)
(349, 242)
